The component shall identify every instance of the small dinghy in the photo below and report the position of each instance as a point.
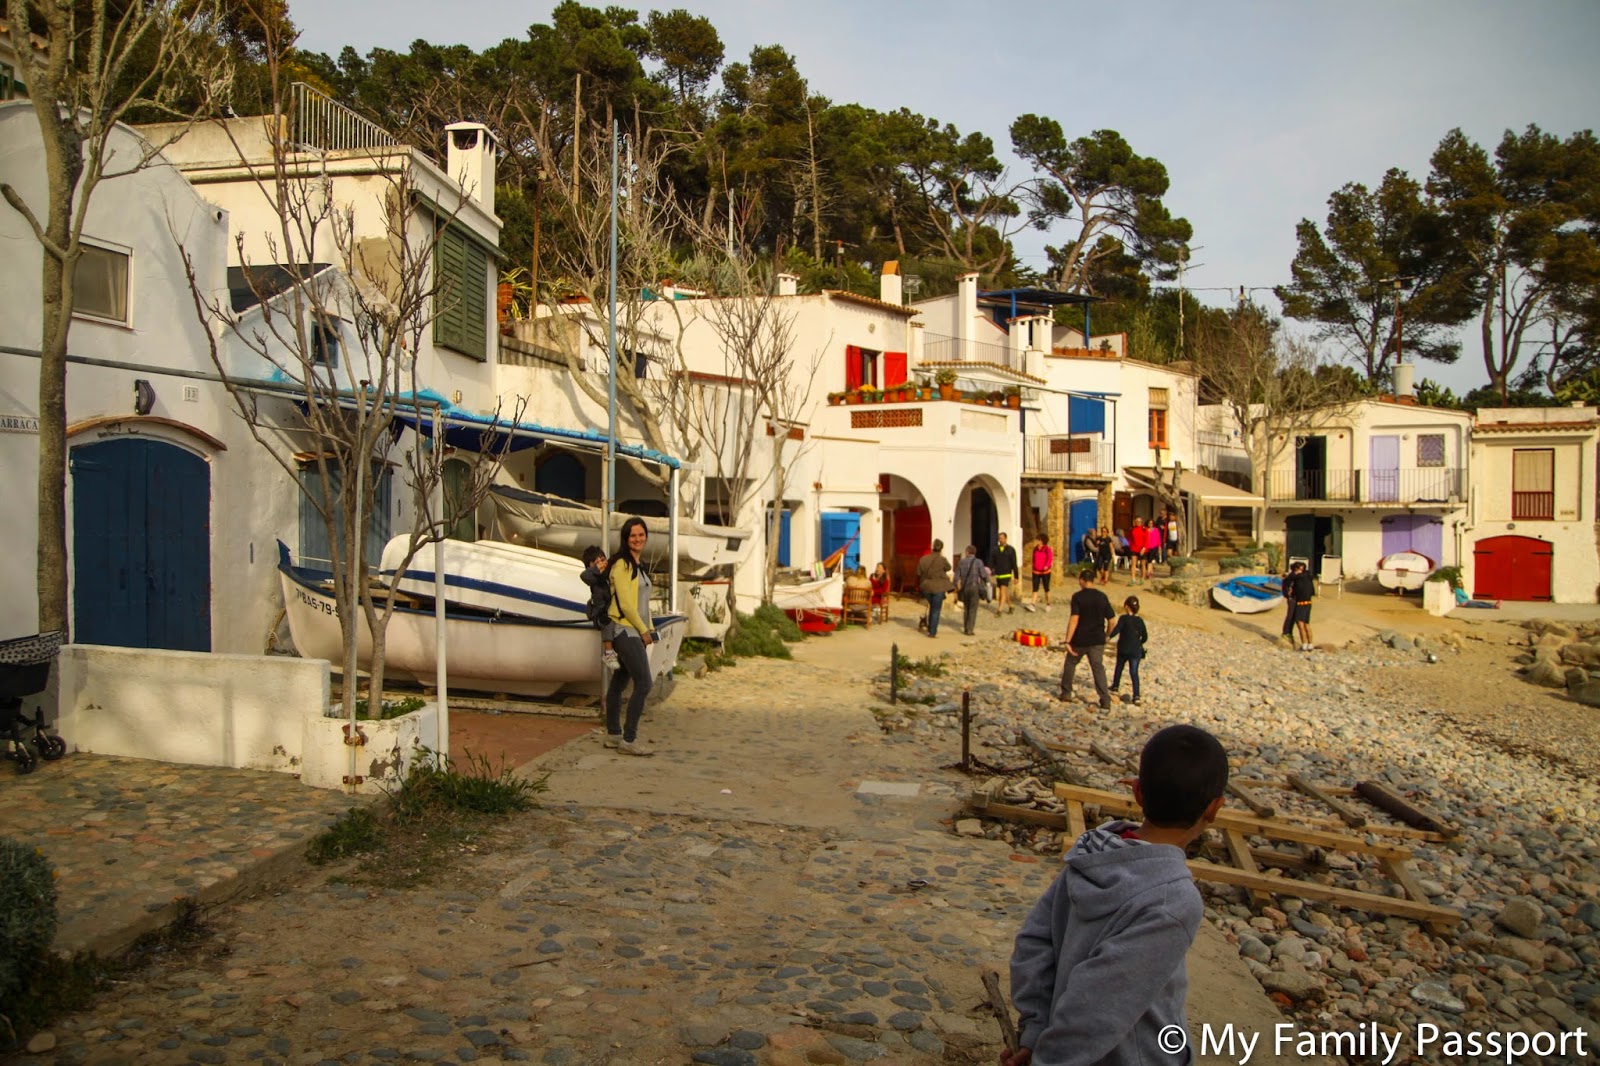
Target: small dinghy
(1249, 593)
(1404, 571)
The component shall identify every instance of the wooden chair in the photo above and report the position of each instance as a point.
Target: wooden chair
(858, 606)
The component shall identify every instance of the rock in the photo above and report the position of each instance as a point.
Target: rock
(1252, 948)
(41, 1042)
(1298, 985)
(1436, 994)
(969, 827)
(1576, 676)
(1527, 952)
(1581, 654)
(1587, 693)
(1522, 916)
(1545, 672)
(1589, 914)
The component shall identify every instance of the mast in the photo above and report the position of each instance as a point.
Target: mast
(610, 499)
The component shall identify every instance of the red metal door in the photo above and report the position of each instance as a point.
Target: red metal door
(1512, 568)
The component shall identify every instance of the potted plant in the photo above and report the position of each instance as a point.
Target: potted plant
(870, 394)
(1013, 397)
(924, 388)
(996, 398)
(946, 380)
(835, 399)
(852, 396)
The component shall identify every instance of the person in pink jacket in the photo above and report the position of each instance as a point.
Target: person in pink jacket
(1139, 546)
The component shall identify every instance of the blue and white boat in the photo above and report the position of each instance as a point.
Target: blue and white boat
(1249, 593)
(495, 577)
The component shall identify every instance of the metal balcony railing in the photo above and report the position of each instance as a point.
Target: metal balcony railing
(1218, 453)
(937, 348)
(318, 121)
(1429, 484)
(1067, 455)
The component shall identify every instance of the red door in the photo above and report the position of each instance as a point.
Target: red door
(1512, 568)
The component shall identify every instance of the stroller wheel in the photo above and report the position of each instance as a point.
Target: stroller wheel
(51, 748)
(26, 763)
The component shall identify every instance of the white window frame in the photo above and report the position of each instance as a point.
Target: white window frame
(110, 248)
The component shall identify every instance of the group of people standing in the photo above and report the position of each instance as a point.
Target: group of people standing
(1140, 548)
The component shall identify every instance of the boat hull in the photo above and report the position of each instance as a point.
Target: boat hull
(491, 576)
(1405, 571)
(549, 522)
(1243, 595)
(816, 606)
(516, 656)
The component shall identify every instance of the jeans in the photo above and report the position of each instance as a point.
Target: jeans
(633, 662)
(1288, 620)
(1132, 663)
(1095, 653)
(969, 613)
(935, 605)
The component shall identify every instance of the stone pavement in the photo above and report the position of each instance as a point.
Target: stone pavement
(778, 885)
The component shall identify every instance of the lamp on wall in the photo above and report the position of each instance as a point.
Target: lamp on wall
(144, 397)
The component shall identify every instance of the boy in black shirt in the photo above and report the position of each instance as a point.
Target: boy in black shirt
(1086, 637)
(1298, 588)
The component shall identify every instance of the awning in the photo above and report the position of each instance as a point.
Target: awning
(481, 433)
(1207, 490)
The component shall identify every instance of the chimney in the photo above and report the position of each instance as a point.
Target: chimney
(788, 284)
(966, 313)
(889, 289)
(470, 161)
(1405, 380)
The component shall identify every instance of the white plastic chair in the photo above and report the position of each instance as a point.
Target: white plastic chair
(1332, 573)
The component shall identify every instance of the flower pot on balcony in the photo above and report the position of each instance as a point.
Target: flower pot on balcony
(947, 392)
(1014, 402)
(852, 398)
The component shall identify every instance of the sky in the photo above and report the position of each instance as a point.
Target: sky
(1259, 109)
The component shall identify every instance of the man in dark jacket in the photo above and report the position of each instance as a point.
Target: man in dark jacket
(1298, 589)
(933, 581)
(1003, 562)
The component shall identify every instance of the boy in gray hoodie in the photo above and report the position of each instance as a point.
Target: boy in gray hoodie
(1097, 974)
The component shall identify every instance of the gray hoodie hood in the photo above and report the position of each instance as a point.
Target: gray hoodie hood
(1098, 969)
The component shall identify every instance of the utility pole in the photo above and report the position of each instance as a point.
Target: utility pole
(1399, 282)
(1183, 259)
(538, 199)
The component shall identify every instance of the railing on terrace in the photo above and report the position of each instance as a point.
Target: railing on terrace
(937, 348)
(1533, 506)
(318, 121)
(1433, 484)
(1216, 452)
(1067, 455)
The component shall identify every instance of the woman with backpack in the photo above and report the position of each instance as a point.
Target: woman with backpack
(971, 583)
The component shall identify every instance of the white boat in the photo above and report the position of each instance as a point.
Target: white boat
(1249, 593)
(484, 652)
(1404, 571)
(540, 520)
(491, 576)
(815, 605)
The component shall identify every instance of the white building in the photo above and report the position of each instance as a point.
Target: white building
(1532, 519)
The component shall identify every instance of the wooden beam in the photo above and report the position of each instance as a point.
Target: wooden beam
(990, 809)
(1045, 752)
(1347, 814)
(1257, 807)
(1273, 829)
(1413, 814)
(1437, 917)
(1239, 851)
(1077, 825)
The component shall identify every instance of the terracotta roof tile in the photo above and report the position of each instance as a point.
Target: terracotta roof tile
(868, 301)
(1536, 427)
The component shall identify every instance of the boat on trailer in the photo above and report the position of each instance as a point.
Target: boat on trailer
(486, 651)
(1404, 571)
(1249, 593)
(495, 577)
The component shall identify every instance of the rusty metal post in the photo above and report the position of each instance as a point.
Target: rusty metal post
(966, 729)
(894, 673)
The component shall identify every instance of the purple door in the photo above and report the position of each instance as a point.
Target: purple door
(1419, 533)
(1383, 470)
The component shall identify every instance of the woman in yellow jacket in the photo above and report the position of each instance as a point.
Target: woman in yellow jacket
(630, 608)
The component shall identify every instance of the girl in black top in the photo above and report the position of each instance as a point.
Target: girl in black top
(1131, 635)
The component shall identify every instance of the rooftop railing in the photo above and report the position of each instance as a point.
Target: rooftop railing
(318, 121)
(1428, 484)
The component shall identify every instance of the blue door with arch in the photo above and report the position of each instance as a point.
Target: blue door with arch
(141, 545)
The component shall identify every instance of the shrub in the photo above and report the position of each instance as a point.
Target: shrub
(357, 831)
(471, 785)
(1231, 564)
(772, 616)
(27, 912)
(929, 667)
(1451, 574)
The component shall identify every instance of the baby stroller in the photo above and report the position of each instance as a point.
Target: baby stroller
(25, 670)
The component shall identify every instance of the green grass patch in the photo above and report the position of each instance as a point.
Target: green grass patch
(390, 708)
(434, 815)
(929, 667)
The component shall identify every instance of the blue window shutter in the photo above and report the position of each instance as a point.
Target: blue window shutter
(1085, 415)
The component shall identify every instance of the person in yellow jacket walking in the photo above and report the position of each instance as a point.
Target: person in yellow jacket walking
(630, 609)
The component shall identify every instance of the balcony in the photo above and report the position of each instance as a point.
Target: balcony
(1442, 486)
(1093, 456)
(937, 348)
(318, 122)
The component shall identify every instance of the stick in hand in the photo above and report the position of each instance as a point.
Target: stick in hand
(1000, 1008)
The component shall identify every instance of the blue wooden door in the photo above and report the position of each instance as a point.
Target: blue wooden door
(141, 546)
(1081, 517)
(1383, 470)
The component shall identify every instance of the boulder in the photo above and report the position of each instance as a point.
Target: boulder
(1587, 693)
(1580, 654)
(1549, 640)
(1295, 983)
(1576, 676)
(1546, 673)
(1522, 916)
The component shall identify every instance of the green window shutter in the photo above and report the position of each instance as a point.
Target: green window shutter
(461, 316)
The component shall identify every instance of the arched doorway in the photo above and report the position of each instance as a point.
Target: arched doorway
(985, 523)
(141, 545)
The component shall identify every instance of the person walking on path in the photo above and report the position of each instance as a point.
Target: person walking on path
(1172, 535)
(1004, 564)
(933, 580)
(1299, 587)
(1131, 636)
(1043, 562)
(1086, 637)
(1098, 972)
(971, 583)
(1136, 548)
(630, 608)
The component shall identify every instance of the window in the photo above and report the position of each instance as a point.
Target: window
(461, 307)
(100, 283)
(1158, 398)
(1430, 449)
(10, 87)
(1533, 484)
(315, 546)
(324, 343)
(860, 367)
(1158, 427)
